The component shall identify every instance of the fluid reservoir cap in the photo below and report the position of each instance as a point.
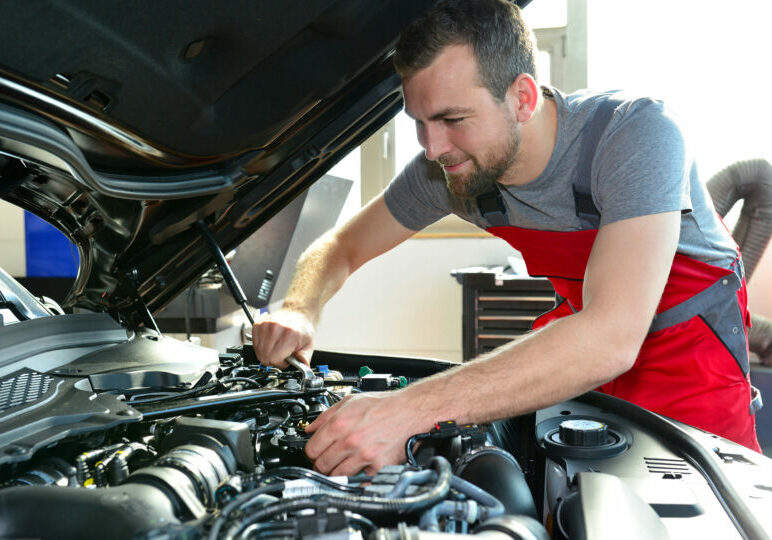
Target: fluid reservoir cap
(586, 433)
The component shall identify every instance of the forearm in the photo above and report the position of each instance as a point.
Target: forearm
(622, 289)
(321, 271)
(565, 359)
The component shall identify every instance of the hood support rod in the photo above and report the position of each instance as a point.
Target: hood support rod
(225, 270)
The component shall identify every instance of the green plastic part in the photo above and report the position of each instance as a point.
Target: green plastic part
(364, 370)
(402, 381)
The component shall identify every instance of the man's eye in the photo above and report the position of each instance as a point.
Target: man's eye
(453, 120)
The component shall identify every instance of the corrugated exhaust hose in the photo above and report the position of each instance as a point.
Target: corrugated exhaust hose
(750, 181)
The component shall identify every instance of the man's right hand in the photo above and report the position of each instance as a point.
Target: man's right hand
(321, 271)
(279, 335)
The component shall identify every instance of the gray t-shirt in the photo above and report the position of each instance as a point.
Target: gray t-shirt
(641, 166)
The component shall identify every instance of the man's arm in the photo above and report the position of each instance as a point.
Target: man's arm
(625, 277)
(321, 271)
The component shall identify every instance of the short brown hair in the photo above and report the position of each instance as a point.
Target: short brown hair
(493, 28)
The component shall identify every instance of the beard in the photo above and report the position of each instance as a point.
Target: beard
(486, 172)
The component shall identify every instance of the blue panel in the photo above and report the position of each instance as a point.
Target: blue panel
(49, 252)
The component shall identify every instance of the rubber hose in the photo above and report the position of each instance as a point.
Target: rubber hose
(491, 506)
(497, 473)
(365, 505)
(124, 512)
(407, 479)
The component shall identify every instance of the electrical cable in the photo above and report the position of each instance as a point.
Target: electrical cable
(240, 503)
(176, 395)
(358, 519)
(409, 447)
(272, 529)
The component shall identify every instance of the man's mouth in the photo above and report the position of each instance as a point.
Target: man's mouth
(455, 167)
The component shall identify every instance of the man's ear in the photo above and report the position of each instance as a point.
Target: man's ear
(522, 97)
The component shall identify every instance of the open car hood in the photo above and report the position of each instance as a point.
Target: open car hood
(125, 124)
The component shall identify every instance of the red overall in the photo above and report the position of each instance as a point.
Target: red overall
(693, 364)
(683, 371)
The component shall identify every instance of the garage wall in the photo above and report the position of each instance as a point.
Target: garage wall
(406, 302)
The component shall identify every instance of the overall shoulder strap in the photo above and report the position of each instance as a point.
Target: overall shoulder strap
(586, 211)
(491, 204)
(492, 208)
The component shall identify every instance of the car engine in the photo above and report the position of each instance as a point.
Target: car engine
(113, 432)
(154, 438)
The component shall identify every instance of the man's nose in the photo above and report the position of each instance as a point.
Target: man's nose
(435, 143)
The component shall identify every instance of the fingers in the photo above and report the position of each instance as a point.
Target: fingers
(325, 448)
(343, 455)
(352, 436)
(326, 415)
(277, 336)
(346, 456)
(304, 355)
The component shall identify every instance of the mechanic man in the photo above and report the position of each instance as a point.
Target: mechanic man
(597, 191)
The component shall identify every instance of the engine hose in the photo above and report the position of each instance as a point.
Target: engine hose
(459, 510)
(482, 506)
(106, 464)
(751, 181)
(499, 475)
(407, 479)
(118, 467)
(83, 461)
(124, 512)
(360, 504)
(491, 506)
(245, 500)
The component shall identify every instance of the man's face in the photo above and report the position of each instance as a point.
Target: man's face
(459, 123)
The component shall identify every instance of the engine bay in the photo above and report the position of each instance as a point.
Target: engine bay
(128, 434)
(154, 438)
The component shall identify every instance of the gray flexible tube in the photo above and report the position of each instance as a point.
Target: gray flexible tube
(760, 338)
(750, 181)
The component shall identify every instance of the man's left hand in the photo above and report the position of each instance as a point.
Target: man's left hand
(362, 432)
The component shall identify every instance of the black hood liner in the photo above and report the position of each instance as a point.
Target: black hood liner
(131, 121)
(199, 77)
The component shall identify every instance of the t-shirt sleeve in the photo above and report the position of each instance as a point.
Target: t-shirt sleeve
(642, 165)
(417, 197)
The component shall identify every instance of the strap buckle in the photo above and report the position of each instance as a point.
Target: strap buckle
(492, 208)
(756, 402)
